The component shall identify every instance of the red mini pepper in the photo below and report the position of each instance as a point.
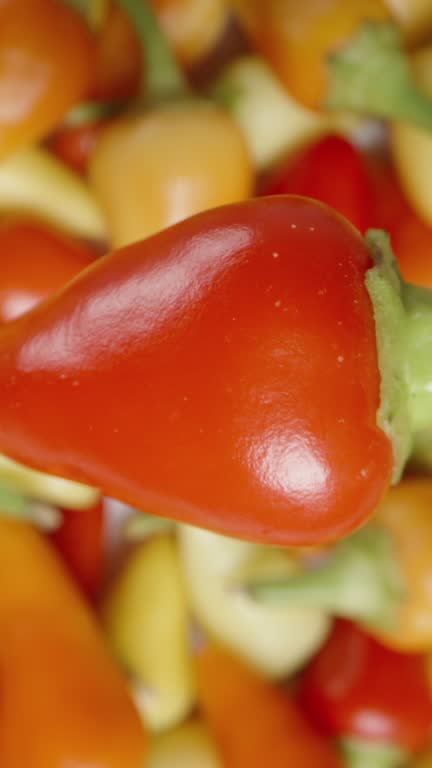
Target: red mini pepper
(331, 170)
(411, 237)
(225, 372)
(80, 541)
(360, 690)
(36, 261)
(366, 191)
(64, 702)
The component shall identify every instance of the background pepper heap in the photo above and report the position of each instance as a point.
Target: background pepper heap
(249, 396)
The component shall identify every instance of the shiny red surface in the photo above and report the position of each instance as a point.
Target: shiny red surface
(80, 541)
(356, 687)
(35, 261)
(330, 170)
(411, 237)
(223, 372)
(74, 145)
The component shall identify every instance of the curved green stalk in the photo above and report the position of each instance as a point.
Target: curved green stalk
(418, 308)
(403, 319)
(384, 285)
(91, 112)
(162, 79)
(371, 75)
(358, 579)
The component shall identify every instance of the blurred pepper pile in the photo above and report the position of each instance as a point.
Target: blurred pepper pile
(130, 640)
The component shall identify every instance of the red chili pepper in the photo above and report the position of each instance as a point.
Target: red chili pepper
(80, 541)
(330, 170)
(411, 237)
(36, 261)
(357, 688)
(366, 193)
(75, 144)
(224, 372)
(253, 723)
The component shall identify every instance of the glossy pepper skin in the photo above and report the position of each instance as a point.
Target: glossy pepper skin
(411, 236)
(64, 702)
(46, 66)
(331, 170)
(80, 542)
(252, 721)
(222, 373)
(353, 677)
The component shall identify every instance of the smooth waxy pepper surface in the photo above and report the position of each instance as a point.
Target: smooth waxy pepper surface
(224, 372)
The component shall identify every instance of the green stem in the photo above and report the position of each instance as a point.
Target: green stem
(91, 112)
(384, 285)
(371, 75)
(359, 580)
(403, 321)
(418, 329)
(361, 754)
(162, 78)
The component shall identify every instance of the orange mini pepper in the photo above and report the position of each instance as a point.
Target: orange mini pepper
(63, 701)
(118, 57)
(254, 724)
(47, 58)
(36, 260)
(376, 701)
(178, 157)
(226, 373)
(193, 27)
(80, 541)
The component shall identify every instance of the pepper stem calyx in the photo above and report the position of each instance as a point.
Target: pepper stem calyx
(403, 321)
(371, 75)
(358, 579)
